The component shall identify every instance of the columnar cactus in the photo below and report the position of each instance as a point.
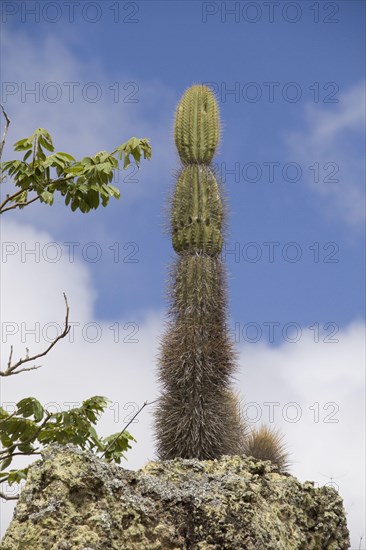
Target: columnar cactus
(197, 416)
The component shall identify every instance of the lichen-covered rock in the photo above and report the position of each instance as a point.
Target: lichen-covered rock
(74, 501)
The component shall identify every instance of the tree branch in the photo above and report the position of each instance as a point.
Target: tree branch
(35, 452)
(4, 496)
(8, 417)
(12, 369)
(10, 198)
(18, 204)
(5, 131)
(125, 428)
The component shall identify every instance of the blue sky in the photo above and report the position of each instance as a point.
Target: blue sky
(305, 65)
(170, 47)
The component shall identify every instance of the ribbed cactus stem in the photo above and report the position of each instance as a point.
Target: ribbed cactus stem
(197, 414)
(197, 212)
(197, 126)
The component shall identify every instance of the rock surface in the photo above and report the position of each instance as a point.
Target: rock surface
(74, 501)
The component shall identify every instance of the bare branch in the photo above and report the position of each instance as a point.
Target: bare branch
(3, 495)
(6, 373)
(5, 131)
(35, 452)
(12, 369)
(125, 428)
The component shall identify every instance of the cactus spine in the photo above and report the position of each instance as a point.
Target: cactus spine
(197, 415)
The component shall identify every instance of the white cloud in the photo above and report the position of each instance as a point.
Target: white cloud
(317, 393)
(76, 368)
(334, 134)
(304, 373)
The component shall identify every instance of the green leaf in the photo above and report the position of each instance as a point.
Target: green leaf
(65, 156)
(27, 155)
(87, 161)
(26, 448)
(76, 170)
(3, 413)
(47, 197)
(46, 143)
(126, 161)
(5, 439)
(114, 191)
(16, 476)
(30, 406)
(6, 462)
(23, 144)
(136, 153)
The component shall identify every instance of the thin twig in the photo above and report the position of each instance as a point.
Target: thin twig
(125, 428)
(5, 131)
(21, 454)
(12, 368)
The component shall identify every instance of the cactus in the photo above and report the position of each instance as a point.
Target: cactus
(266, 443)
(196, 415)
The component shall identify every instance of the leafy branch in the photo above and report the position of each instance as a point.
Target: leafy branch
(22, 435)
(84, 183)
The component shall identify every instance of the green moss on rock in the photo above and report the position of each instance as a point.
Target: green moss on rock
(74, 501)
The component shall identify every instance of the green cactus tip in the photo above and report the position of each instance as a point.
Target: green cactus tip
(197, 125)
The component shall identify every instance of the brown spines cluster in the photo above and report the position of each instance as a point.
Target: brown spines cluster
(267, 444)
